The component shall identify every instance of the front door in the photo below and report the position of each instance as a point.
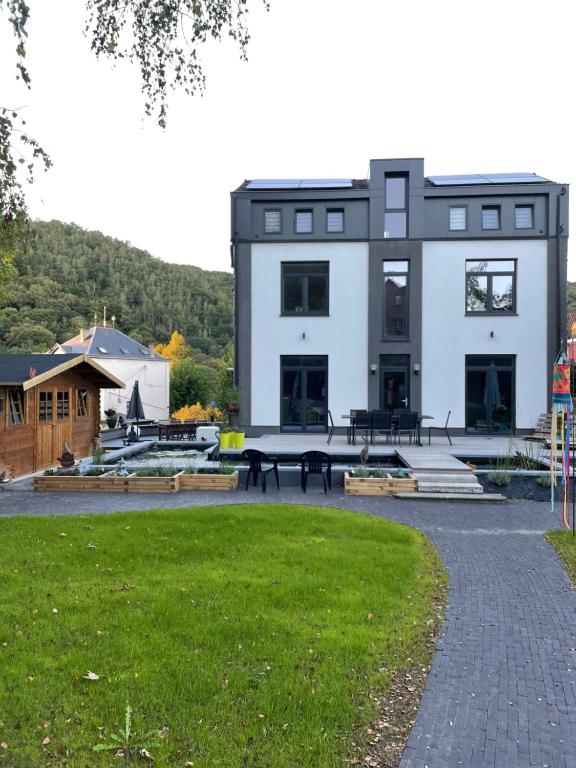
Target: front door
(304, 393)
(394, 382)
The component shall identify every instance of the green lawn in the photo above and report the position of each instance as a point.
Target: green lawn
(565, 544)
(247, 636)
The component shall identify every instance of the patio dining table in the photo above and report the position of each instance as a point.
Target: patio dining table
(395, 420)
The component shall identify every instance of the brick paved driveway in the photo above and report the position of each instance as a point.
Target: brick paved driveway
(502, 689)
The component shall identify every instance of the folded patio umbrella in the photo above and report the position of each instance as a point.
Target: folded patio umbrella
(135, 407)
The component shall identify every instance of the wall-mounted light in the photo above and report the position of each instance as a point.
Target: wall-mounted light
(303, 334)
(416, 369)
(491, 334)
(373, 369)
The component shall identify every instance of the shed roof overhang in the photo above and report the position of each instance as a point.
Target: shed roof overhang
(101, 376)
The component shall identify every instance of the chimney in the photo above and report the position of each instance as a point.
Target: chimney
(104, 318)
(81, 334)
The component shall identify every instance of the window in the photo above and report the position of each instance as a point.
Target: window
(82, 402)
(303, 222)
(45, 406)
(395, 298)
(524, 216)
(490, 217)
(490, 286)
(335, 220)
(62, 405)
(395, 205)
(273, 221)
(15, 407)
(305, 288)
(102, 350)
(457, 219)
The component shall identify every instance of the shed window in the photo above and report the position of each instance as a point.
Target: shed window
(62, 405)
(45, 406)
(82, 402)
(15, 407)
(457, 219)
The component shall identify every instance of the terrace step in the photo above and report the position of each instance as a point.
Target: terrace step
(460, 488)
(477, 497)
(448, 483)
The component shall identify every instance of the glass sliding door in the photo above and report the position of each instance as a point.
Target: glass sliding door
(490, 394)
(394, 382)
(304, 393)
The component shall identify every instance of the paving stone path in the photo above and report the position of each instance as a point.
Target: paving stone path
(502, 688)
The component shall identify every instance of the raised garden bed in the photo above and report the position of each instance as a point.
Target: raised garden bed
(109, 482)
(385, 485)
(202, 481)
(153, 484)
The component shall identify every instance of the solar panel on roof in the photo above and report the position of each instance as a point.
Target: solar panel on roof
(273, 184)
(441, 181)
(513, 178)
(486, 178)
(325, 183)
(299, 184)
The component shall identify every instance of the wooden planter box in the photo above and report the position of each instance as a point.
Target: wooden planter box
(106, 483)
(206, 482)
(138, 484)
(377, 486)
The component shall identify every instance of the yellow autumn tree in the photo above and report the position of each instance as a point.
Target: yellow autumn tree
(175, 350)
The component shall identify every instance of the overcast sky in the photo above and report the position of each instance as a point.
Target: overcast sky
(471, 87)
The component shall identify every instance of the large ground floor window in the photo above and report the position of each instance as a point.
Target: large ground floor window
(490, 394)
(304, 393)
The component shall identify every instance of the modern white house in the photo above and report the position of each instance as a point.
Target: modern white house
(440, 294)
(129, 361)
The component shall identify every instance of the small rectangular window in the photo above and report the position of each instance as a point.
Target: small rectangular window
(273, 221)
(303, 222)
(82, 402)
(335, 220)
(491, 286)
(305, 288)
(490, 217)
(395, 192)
(395, 224)
(62, 405)
(45, 406)
(457, 219)
(524, 216)
(15, 407)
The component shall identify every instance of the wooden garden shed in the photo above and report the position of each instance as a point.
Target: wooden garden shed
(46, 400)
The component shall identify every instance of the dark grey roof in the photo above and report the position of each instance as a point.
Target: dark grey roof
(16, 369)
(99, 342)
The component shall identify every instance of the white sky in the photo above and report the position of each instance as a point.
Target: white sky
(471, 87)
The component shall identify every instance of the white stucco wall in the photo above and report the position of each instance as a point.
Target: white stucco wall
(343, 335)
(449, 335)
(153, 380)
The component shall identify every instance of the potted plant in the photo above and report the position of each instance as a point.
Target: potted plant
(238, 438)
(111, 418)
(233, 415)
(226, 438)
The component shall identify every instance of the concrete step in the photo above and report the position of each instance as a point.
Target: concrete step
(445, 477)
(450, 487)
(471, 497)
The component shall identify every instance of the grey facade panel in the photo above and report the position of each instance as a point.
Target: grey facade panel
(355, 220)
(243, 328)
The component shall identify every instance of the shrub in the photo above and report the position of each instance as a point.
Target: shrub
(499, 478)
(544, 480)
(156, 472)
(226, 468)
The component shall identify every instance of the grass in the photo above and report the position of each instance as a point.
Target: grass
(565, 545)
(241, 636)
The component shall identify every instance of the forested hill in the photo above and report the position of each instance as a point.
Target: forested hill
(66, 274)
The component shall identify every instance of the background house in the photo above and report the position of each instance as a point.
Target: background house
(129, 361)
(45, 401)
(436, 293)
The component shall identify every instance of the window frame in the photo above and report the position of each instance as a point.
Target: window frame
(304, 210)
(49, 396)
(524, 205)
(272, 231)
(458, 207)
(86, 403)
(400, 211)
(335, 231)
(489, 292)
(498, 210)
(304, 276)
(62, 396)
(405, 274)
(22, 398)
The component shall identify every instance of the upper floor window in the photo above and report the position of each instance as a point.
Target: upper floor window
(303, 222)
(395, 202)
(490, 217)
(16, 411)
(458, 216)
(273, 221)
(305, 287)
(395, 298)
(335, 220)
(524, 216)
(491, 286)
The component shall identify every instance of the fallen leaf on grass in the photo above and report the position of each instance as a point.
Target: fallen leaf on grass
(5, 746)
(46, 741)
(91, 676)
(146, 754)
(370, 616)
(54, 610)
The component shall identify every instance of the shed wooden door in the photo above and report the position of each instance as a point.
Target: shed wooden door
(53, 426)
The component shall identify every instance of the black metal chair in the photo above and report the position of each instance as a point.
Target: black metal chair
(407, 423)
(362, 421)
(316, 463)
(260, 464)
(441, 429)
(330, 427)
(382, 422)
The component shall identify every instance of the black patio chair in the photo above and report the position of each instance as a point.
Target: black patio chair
(362, 422)
(406, 423)
(442, 429)
(330, 427)
(382, 423)
(260, 464)
(316, 463)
